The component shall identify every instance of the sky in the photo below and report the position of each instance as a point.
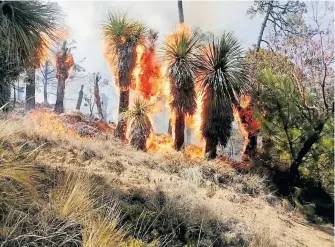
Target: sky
(84, 20)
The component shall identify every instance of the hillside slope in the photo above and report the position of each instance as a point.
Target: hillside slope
(195, 192)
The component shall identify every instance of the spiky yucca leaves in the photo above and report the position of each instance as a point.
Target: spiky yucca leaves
(140, 124)
(21, 26)
(122, 36)
(181, 55)
(222, 78)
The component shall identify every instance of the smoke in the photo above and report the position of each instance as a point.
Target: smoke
(85, 18)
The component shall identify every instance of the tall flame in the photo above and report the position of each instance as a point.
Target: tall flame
(244, 115)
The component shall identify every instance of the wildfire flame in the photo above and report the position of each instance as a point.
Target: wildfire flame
(64, 64)
(50, 123)
(244, 117)
(149, 80)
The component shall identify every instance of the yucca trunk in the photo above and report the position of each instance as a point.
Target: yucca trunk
(121, 127)
(80, 97)
(179, 131)
(210, 149)
(59, 106)
(139, 143)
(30, 89)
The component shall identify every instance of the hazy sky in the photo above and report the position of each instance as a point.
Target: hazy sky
(84, 20)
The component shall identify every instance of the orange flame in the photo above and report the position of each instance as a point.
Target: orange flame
(242, 126)
(64, 64)
(50, 123)
(244, 116)
(147, 72)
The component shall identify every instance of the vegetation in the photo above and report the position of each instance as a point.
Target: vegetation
(122, 37)
(140, 124)
(65, 180)
(278, 15)
(181, 55)
(64, 61)
(22, 25)
(222, 77)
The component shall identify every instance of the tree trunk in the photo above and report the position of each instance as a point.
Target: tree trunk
(179, 131)
(59, 106)
(45, 86)
(266, 17)
(313, 138)
(98, 100)
(80, 98)
(210, 149)
(30, 89)
(121, 127)
(170, 127)
(251, 147)
(14, 95)
(180, 11)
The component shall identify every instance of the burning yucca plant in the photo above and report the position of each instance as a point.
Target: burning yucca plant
(181, 55)
(139, 123)
(121, 37)
(222, 78)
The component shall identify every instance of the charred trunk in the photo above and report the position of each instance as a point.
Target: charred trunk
(59, 106)
(121, 127)
(98, 100)
(80, 97)
(179, 131)
(30, 89)
(14, 95)
(210, 149)
(313, 138)
(251, 148)
(170, 127)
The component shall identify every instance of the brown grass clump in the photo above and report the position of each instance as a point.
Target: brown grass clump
(103, 233)
(72, 198)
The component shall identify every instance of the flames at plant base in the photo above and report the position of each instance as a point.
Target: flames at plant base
(244, 115)
(149, 81)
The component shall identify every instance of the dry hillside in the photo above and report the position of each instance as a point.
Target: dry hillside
(75, 185)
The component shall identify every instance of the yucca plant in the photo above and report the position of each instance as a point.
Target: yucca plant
(222, 79)
(180, 52)
(122, 36)
(140, 124)
(21, 25)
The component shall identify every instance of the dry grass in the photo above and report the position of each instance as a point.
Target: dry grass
(103, 233)
(209, 199)
(72, 198)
